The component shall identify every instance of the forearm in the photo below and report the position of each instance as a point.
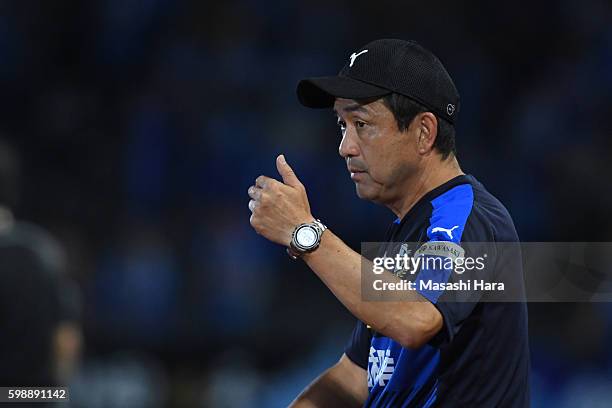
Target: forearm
(342, 385)
(408, 321)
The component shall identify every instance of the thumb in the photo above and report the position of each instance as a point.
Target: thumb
(287, 172)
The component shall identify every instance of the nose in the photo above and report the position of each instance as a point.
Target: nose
(348, 145)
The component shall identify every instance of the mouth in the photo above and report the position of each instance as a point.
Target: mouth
(357, 175)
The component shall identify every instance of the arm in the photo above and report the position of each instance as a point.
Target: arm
(342, 385)
(411, 322)
(277, 208)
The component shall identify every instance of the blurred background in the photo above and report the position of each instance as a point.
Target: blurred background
(131, 130)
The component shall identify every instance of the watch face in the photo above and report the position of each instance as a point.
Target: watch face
(306, 236)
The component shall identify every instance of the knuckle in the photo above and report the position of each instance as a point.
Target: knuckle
(255, 222)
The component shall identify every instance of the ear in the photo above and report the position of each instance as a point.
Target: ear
(427, 131)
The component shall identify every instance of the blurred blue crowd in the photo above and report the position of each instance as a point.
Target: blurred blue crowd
(141, 124)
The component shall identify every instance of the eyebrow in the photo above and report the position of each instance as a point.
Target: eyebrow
(352, 108)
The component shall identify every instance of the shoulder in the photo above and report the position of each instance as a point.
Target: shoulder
(450, 212)
(469, 213)
(29, 243)
(490, 220)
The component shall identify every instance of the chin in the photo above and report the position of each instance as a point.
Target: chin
(365, 193)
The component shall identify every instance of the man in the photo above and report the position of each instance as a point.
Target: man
(39, 305)
(396, 108)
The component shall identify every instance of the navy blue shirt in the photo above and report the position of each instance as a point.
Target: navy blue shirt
(480, 358)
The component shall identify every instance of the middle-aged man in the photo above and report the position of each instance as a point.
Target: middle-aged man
(396, 107)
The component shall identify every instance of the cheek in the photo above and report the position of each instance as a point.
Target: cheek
(395, 161)
(387, 152)
(382, 159)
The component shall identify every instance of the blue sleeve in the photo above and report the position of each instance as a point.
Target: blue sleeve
(358, 347)
(448, 229)
(449, 216)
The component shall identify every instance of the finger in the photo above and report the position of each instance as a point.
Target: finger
(264, 182)
(252, 205)
(287, 172)
(255, 192)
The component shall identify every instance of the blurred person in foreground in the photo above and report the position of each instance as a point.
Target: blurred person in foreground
(39, 307)
(396, 107)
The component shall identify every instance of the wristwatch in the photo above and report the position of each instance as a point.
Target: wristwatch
(305, 238)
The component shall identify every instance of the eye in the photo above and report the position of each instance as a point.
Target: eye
(359, 124)
(342, 124)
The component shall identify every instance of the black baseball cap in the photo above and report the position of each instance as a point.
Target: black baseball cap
(382, 67)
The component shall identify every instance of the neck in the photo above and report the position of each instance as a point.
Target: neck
(431, 176)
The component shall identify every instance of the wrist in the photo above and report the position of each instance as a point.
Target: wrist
(305, 238)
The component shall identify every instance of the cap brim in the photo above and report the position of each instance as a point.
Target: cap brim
(321, 92)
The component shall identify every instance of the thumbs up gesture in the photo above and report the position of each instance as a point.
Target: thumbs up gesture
(278, 207)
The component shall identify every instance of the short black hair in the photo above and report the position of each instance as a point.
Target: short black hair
(405, 109)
